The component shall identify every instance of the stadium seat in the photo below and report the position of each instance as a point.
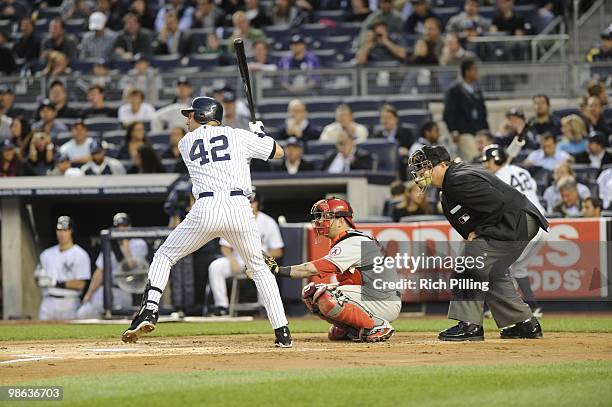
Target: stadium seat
(114, 136)
(585, 173)
(315, 159)
(415, 117)
(102, 124)
(204, 61)
(76, 25)
(159, 138)
(385, 151)
(320, 147)
(196, 40)
(166, 63)
(63, 137)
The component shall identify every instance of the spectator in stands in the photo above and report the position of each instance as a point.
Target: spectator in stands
(284, 12)
(114, 12)
(170, 116)
(77, 149)
(176, 134)
(551, 194)
(135, 137)
(300, 59)
(99, 42)
(13, 10)
(146, 161)
(207, 15)
(360, 10)
(254, 12)
(386, 13)
(604, 52)
(596, 88)
(102, 75)
(41, 154)
(392, 130)
(570, 204)
(261, 59)
(547, 10)
(297, 124)
(432, 35)
(421, 11)
(517, 125)
(596, 155)
(574, 135)
(243, 29)
(413, 203)
(183, 10)
(7, 102)
(379, 45)
(591, 207)
(506, 20)
(470, 13)
(142, 77)
(136, 109)
(59, 40)
(344, 122)
(28, 45)
(421, 55)
(133, 39)
(5, 126)
(549, 155)
(347, 157)
(48, 122)
(58, 95)
(398, 189)
(8, 65)
(20, 134)
(10, 164)
(213, 45)
(100, 164)
(57, 66)
(294, 158)
(170, 39)
(231, 117)
(483, 138)
(543, 121)
(465, 112)
(63, 167)
(430, 136)
(453, 52)
(97, 105)
(593, 116)
(145, 18)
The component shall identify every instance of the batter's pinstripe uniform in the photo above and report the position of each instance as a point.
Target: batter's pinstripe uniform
(218, 161)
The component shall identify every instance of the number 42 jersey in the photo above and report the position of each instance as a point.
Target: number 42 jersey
(218, 158)
(521, 180)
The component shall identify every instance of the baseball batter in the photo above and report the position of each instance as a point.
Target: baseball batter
(127, 250)
(218, 159)
(354, 314)
(496, 160)
(62, 274)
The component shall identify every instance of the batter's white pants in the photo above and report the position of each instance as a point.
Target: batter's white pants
(52, 308)
(519, 268)
(95, 307)
(231, 218)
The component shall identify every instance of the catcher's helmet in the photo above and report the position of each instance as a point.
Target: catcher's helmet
(64, 223)
(494, 152)
(206, 110)
(121, 219)
(325, 210)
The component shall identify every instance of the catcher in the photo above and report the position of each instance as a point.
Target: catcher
(355, 312)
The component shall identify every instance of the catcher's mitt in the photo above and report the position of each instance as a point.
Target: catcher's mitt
(271, 263)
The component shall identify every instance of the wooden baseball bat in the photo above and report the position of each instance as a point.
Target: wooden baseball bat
(244, 73)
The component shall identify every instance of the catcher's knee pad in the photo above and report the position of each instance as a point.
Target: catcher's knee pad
(334, 307)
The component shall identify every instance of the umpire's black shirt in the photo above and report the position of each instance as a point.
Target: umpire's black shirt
(475, 200)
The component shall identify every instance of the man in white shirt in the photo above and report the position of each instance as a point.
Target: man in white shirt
(170, 116)
(347, 157)
(77, 149)
(231, 262)
(548, 156)
(344, 121)
(570, 205)
(136, 110)
(100, 164)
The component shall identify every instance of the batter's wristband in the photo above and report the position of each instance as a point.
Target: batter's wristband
(60, 284)
(284, 271)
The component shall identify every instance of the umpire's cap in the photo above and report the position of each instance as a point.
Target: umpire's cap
(121, 219)
(206, 109)
(64, 223)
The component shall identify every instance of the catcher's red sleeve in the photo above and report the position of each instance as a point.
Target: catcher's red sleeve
(324, 266)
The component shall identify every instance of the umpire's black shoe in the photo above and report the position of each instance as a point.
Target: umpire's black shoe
(463, 331)
(142, 324)
(529, 329)
(283, 337)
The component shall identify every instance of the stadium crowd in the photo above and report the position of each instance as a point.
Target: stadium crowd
(566, 152)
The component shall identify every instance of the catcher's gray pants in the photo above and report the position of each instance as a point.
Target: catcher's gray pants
(502, 297)
(388, 309)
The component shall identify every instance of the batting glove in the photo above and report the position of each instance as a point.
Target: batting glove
(46, 281)
(257, 127)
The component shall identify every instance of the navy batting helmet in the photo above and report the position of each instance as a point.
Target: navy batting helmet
(206, 109)
(121, 219)
(496, 153)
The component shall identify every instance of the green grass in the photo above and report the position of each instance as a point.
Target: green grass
(562, 384)
(22, 332)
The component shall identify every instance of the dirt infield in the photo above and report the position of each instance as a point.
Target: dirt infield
(33, 360)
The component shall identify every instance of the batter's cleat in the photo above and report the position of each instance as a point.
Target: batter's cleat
(463, 331)
(142, 324)
(537, 312)
(380, 333)
(529, 329)
(283, 337)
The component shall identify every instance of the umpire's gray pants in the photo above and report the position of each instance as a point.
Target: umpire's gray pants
(503, 300)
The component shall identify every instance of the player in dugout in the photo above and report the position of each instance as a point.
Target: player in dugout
(355, 312)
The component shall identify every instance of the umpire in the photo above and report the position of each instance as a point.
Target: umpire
(498, 222)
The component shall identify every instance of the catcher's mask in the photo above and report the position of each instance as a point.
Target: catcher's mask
(326, 210)
(423, 161)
